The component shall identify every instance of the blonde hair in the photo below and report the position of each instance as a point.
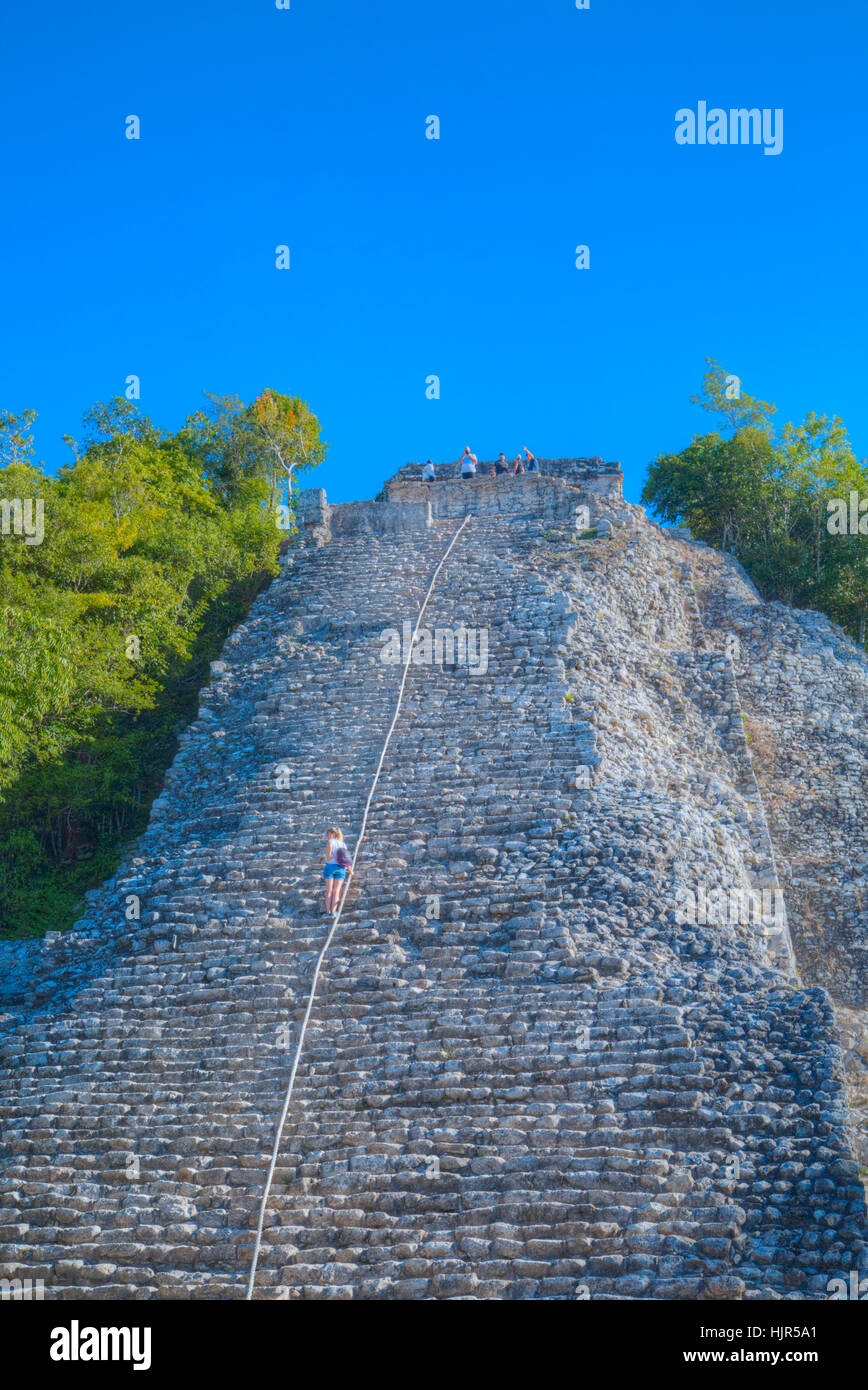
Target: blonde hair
(335, 830)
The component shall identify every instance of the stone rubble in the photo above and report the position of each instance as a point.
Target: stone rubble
(526, 1076)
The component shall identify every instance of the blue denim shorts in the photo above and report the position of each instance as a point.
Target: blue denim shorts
(334, 871)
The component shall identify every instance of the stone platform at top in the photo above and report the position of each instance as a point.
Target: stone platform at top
(552, 494)
(594, 474)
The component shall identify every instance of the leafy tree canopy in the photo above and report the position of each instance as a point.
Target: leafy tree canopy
(767, 496)
(153, 546)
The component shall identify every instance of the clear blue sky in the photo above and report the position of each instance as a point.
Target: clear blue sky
(411, 257)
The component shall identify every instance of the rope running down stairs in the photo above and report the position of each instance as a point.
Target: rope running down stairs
(322, 955)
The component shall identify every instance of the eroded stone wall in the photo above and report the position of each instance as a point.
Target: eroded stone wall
(528, 1074)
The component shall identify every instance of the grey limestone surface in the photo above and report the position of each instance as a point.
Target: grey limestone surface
(527, 1076)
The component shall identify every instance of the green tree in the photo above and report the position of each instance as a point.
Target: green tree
(272, 439)
(154, 545)
(764, 496)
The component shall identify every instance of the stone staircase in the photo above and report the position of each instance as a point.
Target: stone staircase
(524, 1077)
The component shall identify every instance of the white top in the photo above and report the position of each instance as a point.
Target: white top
(428, 470)
(467, 465)
(334, 844)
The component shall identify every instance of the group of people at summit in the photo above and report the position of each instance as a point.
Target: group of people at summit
(470, 466)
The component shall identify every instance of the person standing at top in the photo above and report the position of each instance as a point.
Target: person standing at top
(468, 463)
(500, 465)
(338, 864)
(519, 466)
(531, 463)
(428, 474)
